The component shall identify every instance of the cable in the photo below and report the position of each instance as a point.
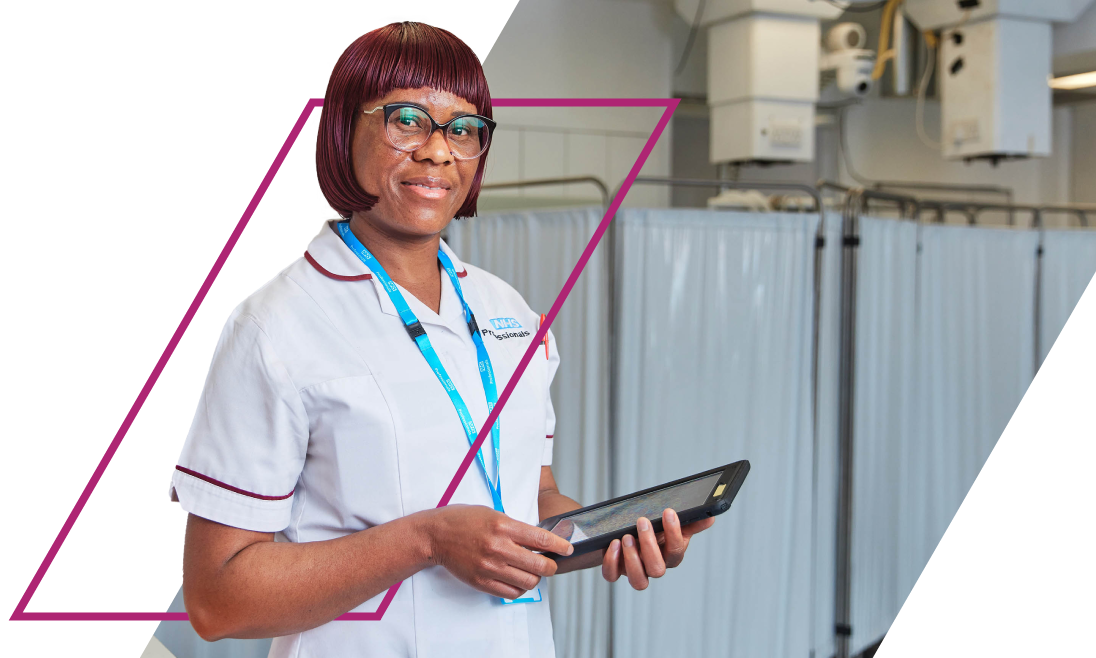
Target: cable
(886, 26)
(931, 45)
(922, 91)
(857, 8)
(692, 38)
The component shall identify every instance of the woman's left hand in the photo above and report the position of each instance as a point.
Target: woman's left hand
(652, 554)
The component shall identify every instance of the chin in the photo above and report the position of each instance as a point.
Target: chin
(422, 223)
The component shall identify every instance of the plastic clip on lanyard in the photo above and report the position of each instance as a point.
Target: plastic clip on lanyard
(487, 373)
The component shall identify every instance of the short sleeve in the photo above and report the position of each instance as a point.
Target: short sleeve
(550, 416)
(246, 446)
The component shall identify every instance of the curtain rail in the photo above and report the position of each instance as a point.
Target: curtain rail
(973, 210)
(603, 189)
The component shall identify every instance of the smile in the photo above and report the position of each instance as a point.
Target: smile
(427, 188)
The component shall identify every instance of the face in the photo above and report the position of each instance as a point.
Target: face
(418, 191)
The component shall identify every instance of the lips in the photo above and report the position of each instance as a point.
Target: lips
(428, 187)
(428, 182)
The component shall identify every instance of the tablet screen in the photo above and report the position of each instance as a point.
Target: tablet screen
(618, 516)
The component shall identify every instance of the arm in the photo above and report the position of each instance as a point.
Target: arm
(239, 583)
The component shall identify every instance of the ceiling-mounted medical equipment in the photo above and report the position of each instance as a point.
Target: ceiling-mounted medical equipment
(846, 63)
(994, 61)
(763, 76)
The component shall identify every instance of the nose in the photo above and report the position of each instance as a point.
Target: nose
(436, 149)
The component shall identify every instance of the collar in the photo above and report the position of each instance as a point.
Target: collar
(330, 256)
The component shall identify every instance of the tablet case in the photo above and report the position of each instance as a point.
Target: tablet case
(731, 480)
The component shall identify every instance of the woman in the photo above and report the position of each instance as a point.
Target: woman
(343, 396)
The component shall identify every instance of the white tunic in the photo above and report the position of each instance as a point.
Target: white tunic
(320, 417)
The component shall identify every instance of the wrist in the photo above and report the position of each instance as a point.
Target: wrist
(425, 532)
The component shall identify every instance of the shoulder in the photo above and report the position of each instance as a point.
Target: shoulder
(286, 308)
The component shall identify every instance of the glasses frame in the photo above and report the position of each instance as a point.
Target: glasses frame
(444, 127)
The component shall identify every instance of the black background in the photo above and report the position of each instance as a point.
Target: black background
(137, 151)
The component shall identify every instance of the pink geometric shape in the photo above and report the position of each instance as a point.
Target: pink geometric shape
(668, 105)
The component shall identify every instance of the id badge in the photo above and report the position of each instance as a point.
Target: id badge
(530, 597)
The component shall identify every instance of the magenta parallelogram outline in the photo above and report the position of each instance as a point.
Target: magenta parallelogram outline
(668, 105)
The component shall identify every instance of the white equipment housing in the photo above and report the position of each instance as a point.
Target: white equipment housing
(992, 74)
(763, 76)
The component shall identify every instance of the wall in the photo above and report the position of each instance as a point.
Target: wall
(1084, 153)
(581, 48)
(1076, 38)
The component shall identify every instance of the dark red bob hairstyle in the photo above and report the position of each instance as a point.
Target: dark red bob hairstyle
(397, 56)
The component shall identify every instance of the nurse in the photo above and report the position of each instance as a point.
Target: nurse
(345, 392)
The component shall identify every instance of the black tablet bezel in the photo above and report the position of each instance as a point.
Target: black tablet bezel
(734, 475)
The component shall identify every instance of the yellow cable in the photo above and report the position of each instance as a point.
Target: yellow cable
(930, 39)
(885, 28)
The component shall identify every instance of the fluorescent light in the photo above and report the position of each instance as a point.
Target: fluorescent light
(1079, 81)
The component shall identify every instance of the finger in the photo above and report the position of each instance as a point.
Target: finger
(653, 563)
(674, 545)
(538, 539)
(633, 566)
(530, 562)
(501, 589)
(697, 526)
(522, 580)
(610, 564)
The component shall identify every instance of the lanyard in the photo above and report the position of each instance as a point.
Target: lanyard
(418, 334)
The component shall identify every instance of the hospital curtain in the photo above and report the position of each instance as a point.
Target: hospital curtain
(928, 411)
(1069, 262)
(714, 365)
(535, 252)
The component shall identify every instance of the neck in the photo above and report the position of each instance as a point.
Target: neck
(410, 262)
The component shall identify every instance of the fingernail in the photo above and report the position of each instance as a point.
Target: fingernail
(570, 549)
(673, 517)
(643, 524)
(628, 541)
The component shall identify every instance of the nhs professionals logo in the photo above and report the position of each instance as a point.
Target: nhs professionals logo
(503, 329)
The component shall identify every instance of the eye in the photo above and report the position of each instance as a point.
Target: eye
(464, 126)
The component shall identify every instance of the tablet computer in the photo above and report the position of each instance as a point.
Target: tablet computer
(695, 497)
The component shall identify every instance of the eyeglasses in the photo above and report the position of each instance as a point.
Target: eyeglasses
(409, 127)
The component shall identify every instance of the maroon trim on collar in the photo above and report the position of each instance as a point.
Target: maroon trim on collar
(549, 436)
(229, 486)
(338, 277)
(357, 277)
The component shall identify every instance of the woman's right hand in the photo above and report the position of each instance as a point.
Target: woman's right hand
(491, 551)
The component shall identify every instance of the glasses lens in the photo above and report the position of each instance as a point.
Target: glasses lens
(468, 137)
(408, 128)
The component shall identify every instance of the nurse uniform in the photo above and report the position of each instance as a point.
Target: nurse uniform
(320, 417)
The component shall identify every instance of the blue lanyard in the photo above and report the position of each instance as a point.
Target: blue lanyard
(418, 334)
